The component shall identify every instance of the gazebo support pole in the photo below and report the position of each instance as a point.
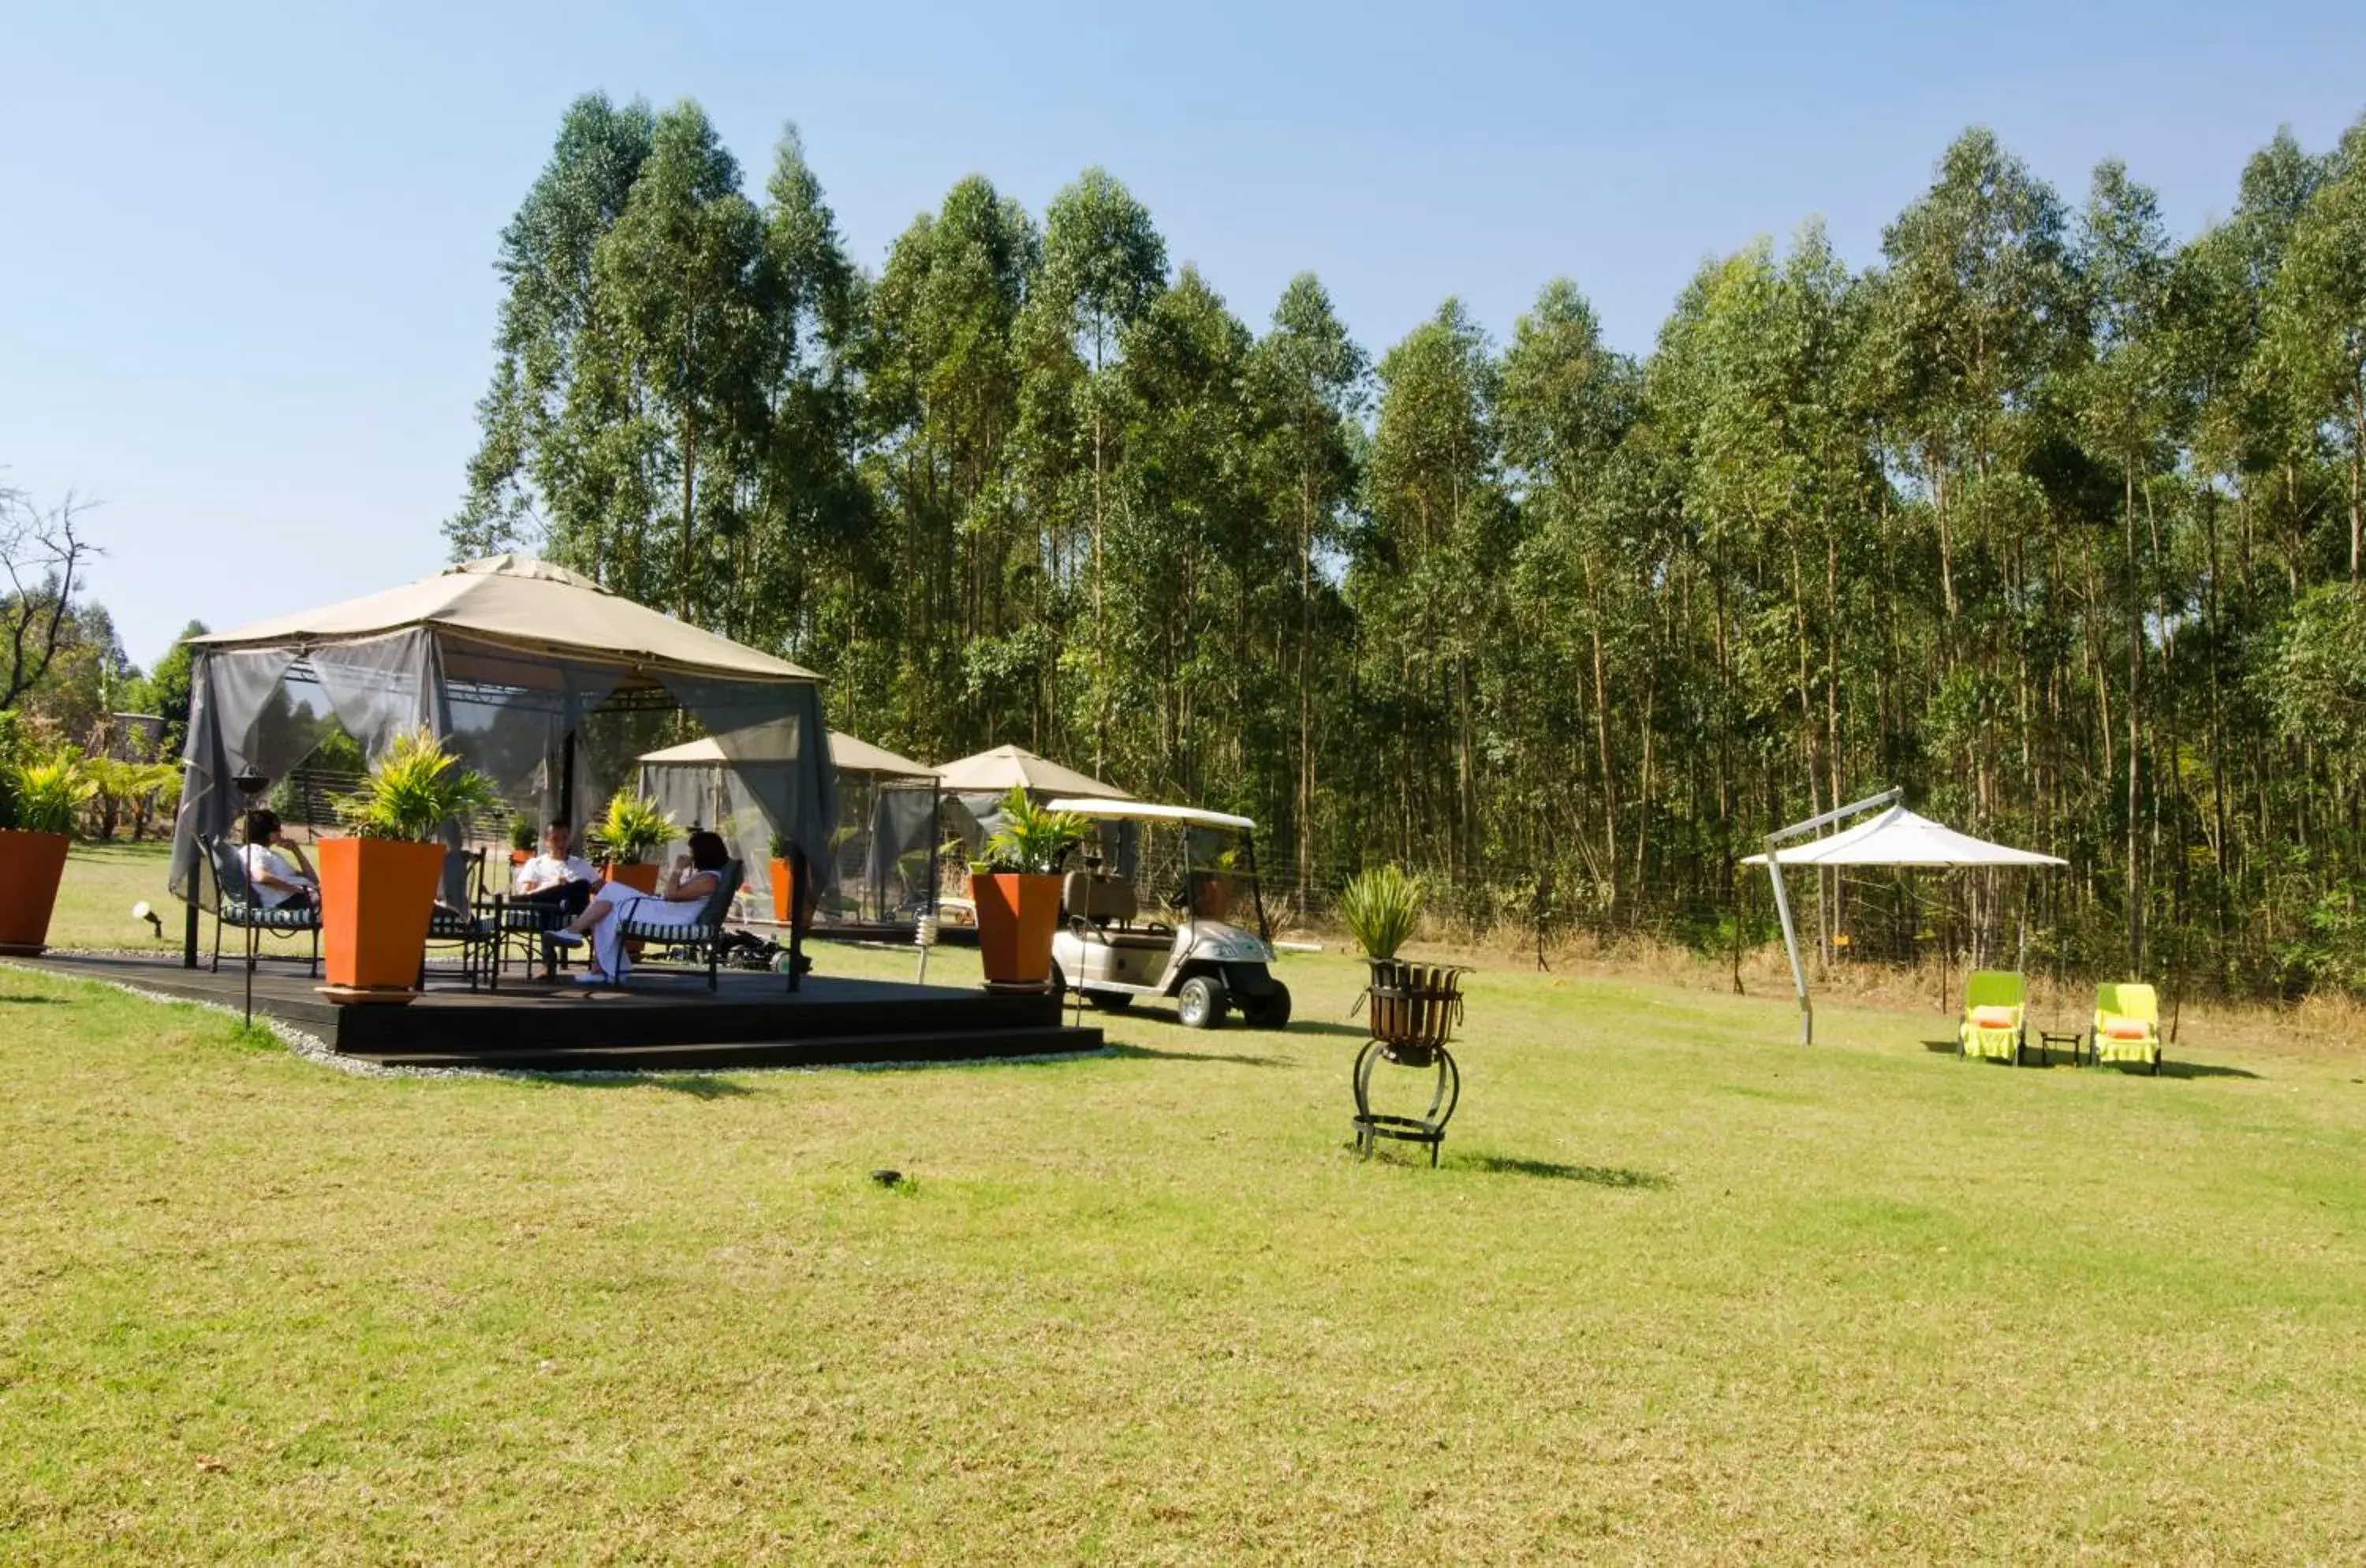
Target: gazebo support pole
(1791, 946)
(796, 920)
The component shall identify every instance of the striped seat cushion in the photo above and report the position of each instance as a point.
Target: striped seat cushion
(670, 933)
(269, 920)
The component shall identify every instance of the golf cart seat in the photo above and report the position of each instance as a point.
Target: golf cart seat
(1100, 900)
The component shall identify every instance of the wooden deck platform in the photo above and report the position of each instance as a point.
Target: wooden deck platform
(660, 1021)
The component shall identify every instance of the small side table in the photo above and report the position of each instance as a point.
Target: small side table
(2047, 1039)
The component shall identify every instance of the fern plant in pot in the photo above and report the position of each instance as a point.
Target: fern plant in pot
(628, 836)
(378, 881)
(38, 797)
(1015, 890)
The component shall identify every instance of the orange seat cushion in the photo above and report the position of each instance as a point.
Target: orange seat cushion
(1994, 1018)
(2126, 1028)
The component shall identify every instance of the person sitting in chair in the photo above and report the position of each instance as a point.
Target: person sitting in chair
(556, 877)
(680, 895)
(277, 881)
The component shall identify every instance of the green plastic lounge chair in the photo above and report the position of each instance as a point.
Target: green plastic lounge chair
(1993, 1023)
(2127, 1025)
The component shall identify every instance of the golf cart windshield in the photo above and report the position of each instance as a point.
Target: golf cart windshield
(1198, 864)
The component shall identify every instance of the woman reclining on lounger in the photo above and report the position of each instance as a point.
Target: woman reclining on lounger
(680, 895)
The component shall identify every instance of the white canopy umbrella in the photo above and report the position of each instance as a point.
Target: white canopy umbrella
(1896, 837)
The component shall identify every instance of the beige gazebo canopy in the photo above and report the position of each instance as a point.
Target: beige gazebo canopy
(1007, 767)
(528, 673)
(525, 604)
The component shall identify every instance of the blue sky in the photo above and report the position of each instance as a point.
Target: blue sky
(246, 285)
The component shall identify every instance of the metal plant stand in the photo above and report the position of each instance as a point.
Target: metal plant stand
(1413, 1009)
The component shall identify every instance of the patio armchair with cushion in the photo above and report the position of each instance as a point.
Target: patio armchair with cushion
(2126, 1026)
(1994, 1023)
(703, 936)
(235, 905)
(466, 927)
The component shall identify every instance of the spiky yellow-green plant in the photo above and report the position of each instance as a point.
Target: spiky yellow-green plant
(1380, 907)
(413, 790)
(633, 828)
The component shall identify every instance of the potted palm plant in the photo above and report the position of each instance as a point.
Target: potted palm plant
(521, 839)
(628, 836)
(1381, 907)
(378, 883)
(38, 797)
(1016, 889)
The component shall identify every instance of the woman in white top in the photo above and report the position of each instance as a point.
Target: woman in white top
(680, 895)
(276, 880)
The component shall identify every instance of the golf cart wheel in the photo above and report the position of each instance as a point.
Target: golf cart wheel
(1267, 1012)
(1110, 1002)
(1201, 1002)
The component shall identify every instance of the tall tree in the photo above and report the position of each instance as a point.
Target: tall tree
(545, 262)
(1308, 378)
(1103, 264)
(2316, 313)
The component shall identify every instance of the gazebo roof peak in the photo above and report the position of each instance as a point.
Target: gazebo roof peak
(516, 563)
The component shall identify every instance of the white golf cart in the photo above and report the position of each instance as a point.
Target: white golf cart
(1200, 870)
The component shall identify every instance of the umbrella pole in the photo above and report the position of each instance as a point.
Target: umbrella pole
(1791, 946)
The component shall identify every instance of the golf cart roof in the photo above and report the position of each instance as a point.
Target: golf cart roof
(1147, 811)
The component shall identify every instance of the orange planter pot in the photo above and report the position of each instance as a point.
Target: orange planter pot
(639, 878)
(377, 895)
(1016, 916)
(31, 865)
(784, 889)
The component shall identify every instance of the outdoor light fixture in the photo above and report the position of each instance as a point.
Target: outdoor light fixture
(141, 911)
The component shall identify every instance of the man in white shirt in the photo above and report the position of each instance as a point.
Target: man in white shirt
(555, 878)
(276, 871)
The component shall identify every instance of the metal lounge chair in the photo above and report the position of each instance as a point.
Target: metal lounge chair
(236, 906)
(1995, 1024)
(2126, 1026)
(704, 935)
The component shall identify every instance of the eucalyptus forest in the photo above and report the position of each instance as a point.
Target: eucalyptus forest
(2046, 514)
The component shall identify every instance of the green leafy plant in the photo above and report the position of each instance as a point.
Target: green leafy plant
(415, 788)
(45, 795)
(1031, 838)
(1382, 906)
(781, 846)
(632, 830)
(13, 754)
(521, 834)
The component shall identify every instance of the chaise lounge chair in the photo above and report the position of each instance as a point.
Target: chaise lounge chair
(1994, 1023)
(2127, 1025)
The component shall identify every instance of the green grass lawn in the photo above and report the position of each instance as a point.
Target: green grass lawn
(1682, 1292)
